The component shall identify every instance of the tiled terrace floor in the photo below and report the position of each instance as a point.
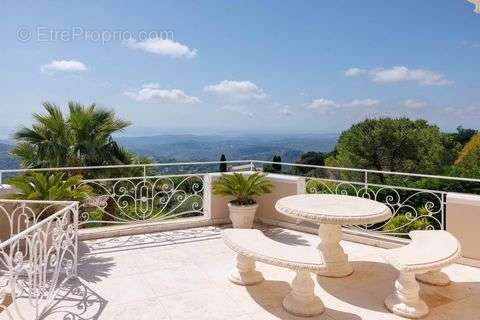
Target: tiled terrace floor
(181, 275)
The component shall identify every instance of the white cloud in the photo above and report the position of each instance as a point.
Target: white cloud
(164, 47)
(354, 72)
(414, 104)
(463, 112)
(362, 103)
(285, 111)
(326, 105)
(236, 89)
(423, 77)
(64, 66)
(322, 103)
(153, 92)
(471, 44)
(239, 109)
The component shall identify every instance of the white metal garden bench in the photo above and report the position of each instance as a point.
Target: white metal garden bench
(422, 259)
(252, 245)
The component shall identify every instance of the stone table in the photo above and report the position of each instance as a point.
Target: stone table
(332, 211)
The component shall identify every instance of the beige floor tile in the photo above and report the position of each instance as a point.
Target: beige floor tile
(203, 304)
(174, 281)
(468, 309)
(280, 313)
(145, 309)
(124, 289)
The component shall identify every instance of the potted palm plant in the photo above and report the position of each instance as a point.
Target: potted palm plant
(243, 187)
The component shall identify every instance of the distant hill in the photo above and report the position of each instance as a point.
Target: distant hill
(173, 148)
(210, 147)
(6, 160)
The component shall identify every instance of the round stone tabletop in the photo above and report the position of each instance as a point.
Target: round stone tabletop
(333, 209)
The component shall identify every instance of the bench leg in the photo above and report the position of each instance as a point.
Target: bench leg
(302, 301)
(245, 274)
(405, 301)
(434, 278)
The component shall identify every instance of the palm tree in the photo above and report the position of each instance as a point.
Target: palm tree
(45, 186)
(82, 138)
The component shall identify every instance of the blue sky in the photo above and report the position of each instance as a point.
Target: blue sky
(243, 66)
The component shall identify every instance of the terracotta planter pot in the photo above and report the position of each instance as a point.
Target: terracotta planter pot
(242, 216)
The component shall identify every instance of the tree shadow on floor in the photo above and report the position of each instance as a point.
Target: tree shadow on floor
(269, 295)
(92, 267)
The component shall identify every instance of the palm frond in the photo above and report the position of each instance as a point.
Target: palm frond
(242, 187)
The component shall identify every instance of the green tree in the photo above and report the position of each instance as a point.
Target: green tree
(393, 145)
(309, 158)
(276, 166)
(273, 167)
(223, 163)
(462, 136)
(82, 138)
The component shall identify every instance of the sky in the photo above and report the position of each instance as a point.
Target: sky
(243, 66)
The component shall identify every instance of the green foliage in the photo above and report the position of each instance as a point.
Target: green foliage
(277, 167)
(53, 187)
(393, 145)
(310, 158)
(242, 187)
(274, 167)
(82, 138)
(223, 163)
(462, 136)
(95, 216)
(469, 157)
(402, 224)
(321, 186)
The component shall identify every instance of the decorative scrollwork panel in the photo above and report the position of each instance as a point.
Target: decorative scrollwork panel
(412, 209)
(143, 199)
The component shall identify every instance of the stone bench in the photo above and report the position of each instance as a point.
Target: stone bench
(422, 260)
(252, 245)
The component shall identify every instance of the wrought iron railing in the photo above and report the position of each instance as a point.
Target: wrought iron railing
(143, 199)
(167, 191)
(413, 204)
(412, 209)
(38, 254)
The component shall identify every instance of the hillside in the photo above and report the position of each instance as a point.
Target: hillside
(6, 160)
(210, 147)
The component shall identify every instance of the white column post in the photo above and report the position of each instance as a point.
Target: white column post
(207, 196)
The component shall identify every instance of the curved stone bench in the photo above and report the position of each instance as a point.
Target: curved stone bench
(252, 245)
(422, 259)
